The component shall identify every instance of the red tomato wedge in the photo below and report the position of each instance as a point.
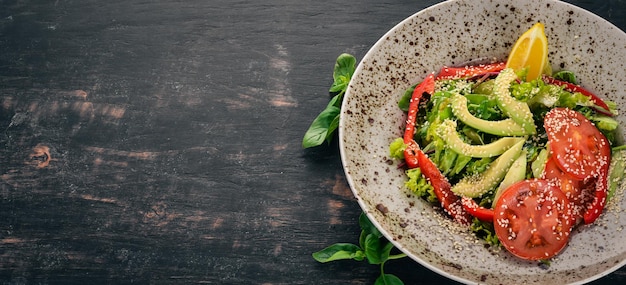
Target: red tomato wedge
(578, 147)
(469, 71)
(532, 219)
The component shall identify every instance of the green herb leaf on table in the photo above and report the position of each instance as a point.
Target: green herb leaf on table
(373, 246)
(373, 249)
(388, 279)
(339, 251)
(326, 123)
(343, 71)
(368, 227)
(322, 127)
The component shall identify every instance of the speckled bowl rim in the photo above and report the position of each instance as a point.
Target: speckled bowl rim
(353, 142)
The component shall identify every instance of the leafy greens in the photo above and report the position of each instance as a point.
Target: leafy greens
(326, 123)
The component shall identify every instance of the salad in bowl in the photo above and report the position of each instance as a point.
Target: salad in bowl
(518, 155)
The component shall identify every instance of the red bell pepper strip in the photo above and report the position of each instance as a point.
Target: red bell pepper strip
(427, 86)
(450, 202)
(415, 157)
(481, 213)
(576, 88)
(469, 71)
(410, 154)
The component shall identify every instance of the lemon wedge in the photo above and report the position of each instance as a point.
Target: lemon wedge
(531, 51)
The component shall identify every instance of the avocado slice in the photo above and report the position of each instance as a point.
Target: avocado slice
(447, 131)
(506, 127)
(511, 107)
(476, 185)
(616, 172)
(516, 173)
(485, 87)
(540, 162)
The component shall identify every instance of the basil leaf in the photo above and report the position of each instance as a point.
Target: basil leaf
(385, 251)
(362, 238)
(342, 73)
(324, 126)
(339, 251)
(388, 279)
(319, 131)
(367, 226)
(372, 249)
(334, 124)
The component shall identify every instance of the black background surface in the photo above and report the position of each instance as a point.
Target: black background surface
(160, 141)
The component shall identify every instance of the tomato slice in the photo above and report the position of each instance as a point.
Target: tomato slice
(532, 219)
(578, 192)
(595, 208)
(578, 147)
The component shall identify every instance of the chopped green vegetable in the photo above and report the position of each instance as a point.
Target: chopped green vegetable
(486, 109)
(485, 231)
(523, 91)
(605, 123)
(396, 148)
(447, 161)
(572, 100)
(546, 95)
(566, 76)
(461, 162)
(418, 184)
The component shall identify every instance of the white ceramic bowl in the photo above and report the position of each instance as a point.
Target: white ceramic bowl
(451, 33)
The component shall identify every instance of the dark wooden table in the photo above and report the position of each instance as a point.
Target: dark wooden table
(160, 141)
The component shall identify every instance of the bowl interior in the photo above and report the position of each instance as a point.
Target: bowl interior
(453, 33)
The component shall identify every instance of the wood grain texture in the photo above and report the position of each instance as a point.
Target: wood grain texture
(160, 141)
